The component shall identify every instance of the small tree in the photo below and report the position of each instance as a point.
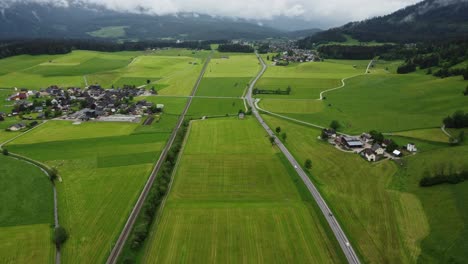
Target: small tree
(5, 152)
(53, 174)
(284, 137)
(278, 130)
(268, 57)
(148, 81)
(60, 236)
(335, 125)
(308, 164)
(272, 140)
(392, 146)
(288, 90)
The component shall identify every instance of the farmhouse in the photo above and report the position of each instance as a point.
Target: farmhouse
(369, 154)
(352, 142)
(17, 127)
(378, 149)
(411, 147)
(366, 137)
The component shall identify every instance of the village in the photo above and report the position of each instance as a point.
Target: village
(77, 104)
(288, 52)
(371, 146)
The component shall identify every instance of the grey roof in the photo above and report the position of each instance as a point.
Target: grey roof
(354, 143)
(376, 147)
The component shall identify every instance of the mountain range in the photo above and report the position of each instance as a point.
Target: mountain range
(425, 21)
(34, 20)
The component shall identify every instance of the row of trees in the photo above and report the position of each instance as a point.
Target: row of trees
(459, 119)
(353, 52)
(277, 91)
(63, 46)
(441, 178)
(157, 193)
(235, 48)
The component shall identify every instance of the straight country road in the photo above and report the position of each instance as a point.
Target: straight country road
(334, 225)
(119, 244)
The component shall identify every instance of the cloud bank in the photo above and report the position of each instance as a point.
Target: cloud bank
(335, 11)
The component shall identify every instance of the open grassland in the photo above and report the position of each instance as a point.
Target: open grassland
(385, 102)
(233, 66)
(103, 167)
(106, 69)
(235, 199)
(26, 244)
(431, 134)
(445, 205)
(385, 225)
(307, 80)
(109, 32)
(215, 107)
(26, 213)
(223, 86)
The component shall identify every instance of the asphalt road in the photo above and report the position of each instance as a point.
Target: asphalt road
(119, 244)
(334, 225)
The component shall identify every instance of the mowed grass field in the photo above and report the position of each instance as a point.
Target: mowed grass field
(103, 167)
(381, 100)
(388, 217)
(358, 192)
(307, 80)
(215, 107)
(235, 199)
(228, 75)
(171, 74)
(26, 214)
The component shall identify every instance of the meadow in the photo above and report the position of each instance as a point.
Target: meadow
(26, 215)
(381, 100)
(103, 167)
(236, 199)
(167, 71)
(387, 216)
(215, 107)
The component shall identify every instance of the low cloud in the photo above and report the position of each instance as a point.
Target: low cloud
(331, 12)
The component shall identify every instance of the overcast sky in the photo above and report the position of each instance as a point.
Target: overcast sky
(331, 12)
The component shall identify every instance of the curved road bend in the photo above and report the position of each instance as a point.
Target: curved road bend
(334, 225)
(119, 244)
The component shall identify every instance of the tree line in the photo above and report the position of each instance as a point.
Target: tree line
(156, 195)
(459, 119)
(63, 46)
(353, 52)
(235, 48)
(451, 178)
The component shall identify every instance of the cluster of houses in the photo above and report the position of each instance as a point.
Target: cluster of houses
(84, 104)
(295, 55)
(367, 147)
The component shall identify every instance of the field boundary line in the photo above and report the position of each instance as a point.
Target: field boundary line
(120, 243)
(42, 167)
(157, 221)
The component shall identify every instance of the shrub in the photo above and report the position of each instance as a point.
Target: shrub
(60, 236)
(5, 152)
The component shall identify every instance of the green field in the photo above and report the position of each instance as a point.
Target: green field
(103, 167)
(170, 74)
(215, 107)
(382, 100)
(223, 86)
(109, 32)
(387, 216)
(26, 214)
(236, 199)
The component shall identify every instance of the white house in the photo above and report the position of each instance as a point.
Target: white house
(396, 153)
(378, 149)
(369, 154)
(411, 147)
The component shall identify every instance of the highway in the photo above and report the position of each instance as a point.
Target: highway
(119, 244)
(334, 225)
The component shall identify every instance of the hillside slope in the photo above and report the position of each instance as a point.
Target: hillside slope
(425, 21)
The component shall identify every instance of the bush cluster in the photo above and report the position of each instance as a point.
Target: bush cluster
(157, 192)
(453, 178)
